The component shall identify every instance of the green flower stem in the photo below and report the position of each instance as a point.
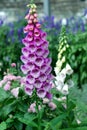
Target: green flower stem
(67, 107)
(38, 114)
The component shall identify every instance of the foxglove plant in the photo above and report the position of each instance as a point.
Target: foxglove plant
(63, 69)
(36, 65)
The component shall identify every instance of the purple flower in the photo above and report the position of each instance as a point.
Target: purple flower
(30, 79)
(1, 22)
(28, 91)
(24, 69)
(24, 59)
(41, 93)
(35, 58)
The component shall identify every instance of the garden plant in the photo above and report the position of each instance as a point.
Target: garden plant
(41, 87)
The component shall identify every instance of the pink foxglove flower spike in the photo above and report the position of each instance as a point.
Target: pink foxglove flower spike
(35, 58)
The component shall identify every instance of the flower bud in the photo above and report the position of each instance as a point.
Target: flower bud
(38, 25)
(34, 10)
(30, 21)
(13, 65)
(27, 16)
(35, 15)
(31, 17)
(35, 20)
(52, 106)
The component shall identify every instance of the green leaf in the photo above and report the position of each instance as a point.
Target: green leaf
(79, 128)
(71, 105)
(3, 94)
(18, 125)
(41, 112)
(28, 128)
(27, 119)
(56, 121)
(29, 116)
(3, 126)
(9, 122)
(4, 111)
(22, 106)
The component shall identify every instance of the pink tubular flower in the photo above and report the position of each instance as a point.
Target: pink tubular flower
(38, 25)
(52, 105)
(27, 16)
(1, 83)
(7, 86)
(10, 77)
(36, 66)
(32, 108)
(15, 92)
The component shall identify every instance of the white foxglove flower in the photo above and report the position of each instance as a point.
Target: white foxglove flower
(63, 59)
(65, 89)
(62, 98)
(69, 70)
(61, 51)
(60, 77)
(70, 83)
(63, 72)
(57, 70)
(64, 48)
(59, 85)
(45, 100)
(59, 56)
(59, 64)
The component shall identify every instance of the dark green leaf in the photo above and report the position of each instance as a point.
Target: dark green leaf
(56, 121)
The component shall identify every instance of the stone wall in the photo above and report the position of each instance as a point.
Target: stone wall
(66, 8)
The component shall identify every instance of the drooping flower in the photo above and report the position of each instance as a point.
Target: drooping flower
(36, 65)
(32, 108)
(52, 105)
(7, 86)
(15, 92)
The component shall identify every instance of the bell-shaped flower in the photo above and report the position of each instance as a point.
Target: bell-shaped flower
(15, 92)
(69, 70)
(35, 58)
(41, 93)
(7, 86)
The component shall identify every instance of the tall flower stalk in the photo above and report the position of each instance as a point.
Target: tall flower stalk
(36, 65)
(63, 69)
